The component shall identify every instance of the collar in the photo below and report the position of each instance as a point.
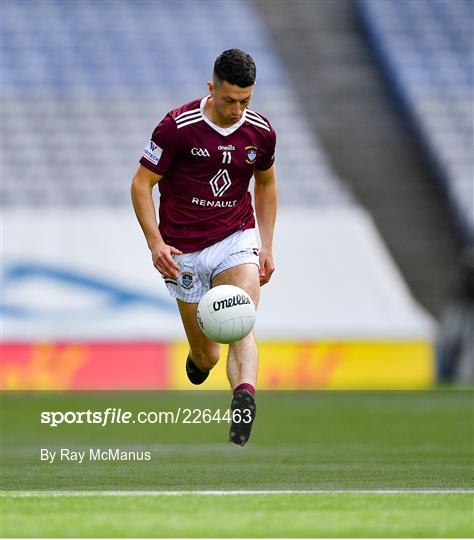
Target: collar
(223, 131)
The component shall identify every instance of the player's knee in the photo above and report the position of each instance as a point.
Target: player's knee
(205, 359)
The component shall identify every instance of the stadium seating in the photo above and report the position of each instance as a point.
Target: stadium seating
(85, 82)
(427, 49)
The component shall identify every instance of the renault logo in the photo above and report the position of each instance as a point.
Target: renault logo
(220, 183)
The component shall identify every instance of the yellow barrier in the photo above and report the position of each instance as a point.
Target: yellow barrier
(324, 365)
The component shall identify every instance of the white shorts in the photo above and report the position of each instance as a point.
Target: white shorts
(197, 269)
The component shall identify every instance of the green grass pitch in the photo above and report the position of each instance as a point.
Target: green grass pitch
(377, 464)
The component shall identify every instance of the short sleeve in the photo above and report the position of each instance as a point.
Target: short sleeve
(267, 154)
(161, 151)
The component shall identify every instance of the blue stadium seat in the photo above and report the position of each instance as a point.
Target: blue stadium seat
(427, 49)
(85, 82)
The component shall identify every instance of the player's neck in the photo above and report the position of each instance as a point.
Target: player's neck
(211, 114)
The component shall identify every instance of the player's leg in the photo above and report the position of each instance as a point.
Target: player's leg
(242, 360)
(193, 281)
(204, 353)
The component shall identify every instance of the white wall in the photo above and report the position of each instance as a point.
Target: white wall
(68, 275)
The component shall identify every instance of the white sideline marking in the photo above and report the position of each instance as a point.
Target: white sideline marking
(226, 492)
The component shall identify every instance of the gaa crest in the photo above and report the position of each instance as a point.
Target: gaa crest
(251, 154)
(187, 280)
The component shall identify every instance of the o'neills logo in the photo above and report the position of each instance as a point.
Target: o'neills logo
(237, 300)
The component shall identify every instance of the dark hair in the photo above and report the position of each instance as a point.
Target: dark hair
(235, 67)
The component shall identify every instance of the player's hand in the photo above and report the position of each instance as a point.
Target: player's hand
(267, 266)
(163, 260)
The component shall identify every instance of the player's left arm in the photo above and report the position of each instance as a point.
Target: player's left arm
(265, 199)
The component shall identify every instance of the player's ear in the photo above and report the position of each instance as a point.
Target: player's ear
(210, 85)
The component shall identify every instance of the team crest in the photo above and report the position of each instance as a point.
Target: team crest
(187, 280)
(251, 154)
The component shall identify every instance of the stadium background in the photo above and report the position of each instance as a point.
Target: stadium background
(372, 103)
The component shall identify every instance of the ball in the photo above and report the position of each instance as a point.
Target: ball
(226, 314)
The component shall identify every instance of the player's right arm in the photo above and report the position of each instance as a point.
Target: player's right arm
(142, 187)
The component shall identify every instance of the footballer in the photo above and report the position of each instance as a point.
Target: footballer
(202, 155)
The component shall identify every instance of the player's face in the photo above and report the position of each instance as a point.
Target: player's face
(229, 101)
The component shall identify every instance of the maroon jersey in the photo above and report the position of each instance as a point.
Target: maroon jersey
(206, 172)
